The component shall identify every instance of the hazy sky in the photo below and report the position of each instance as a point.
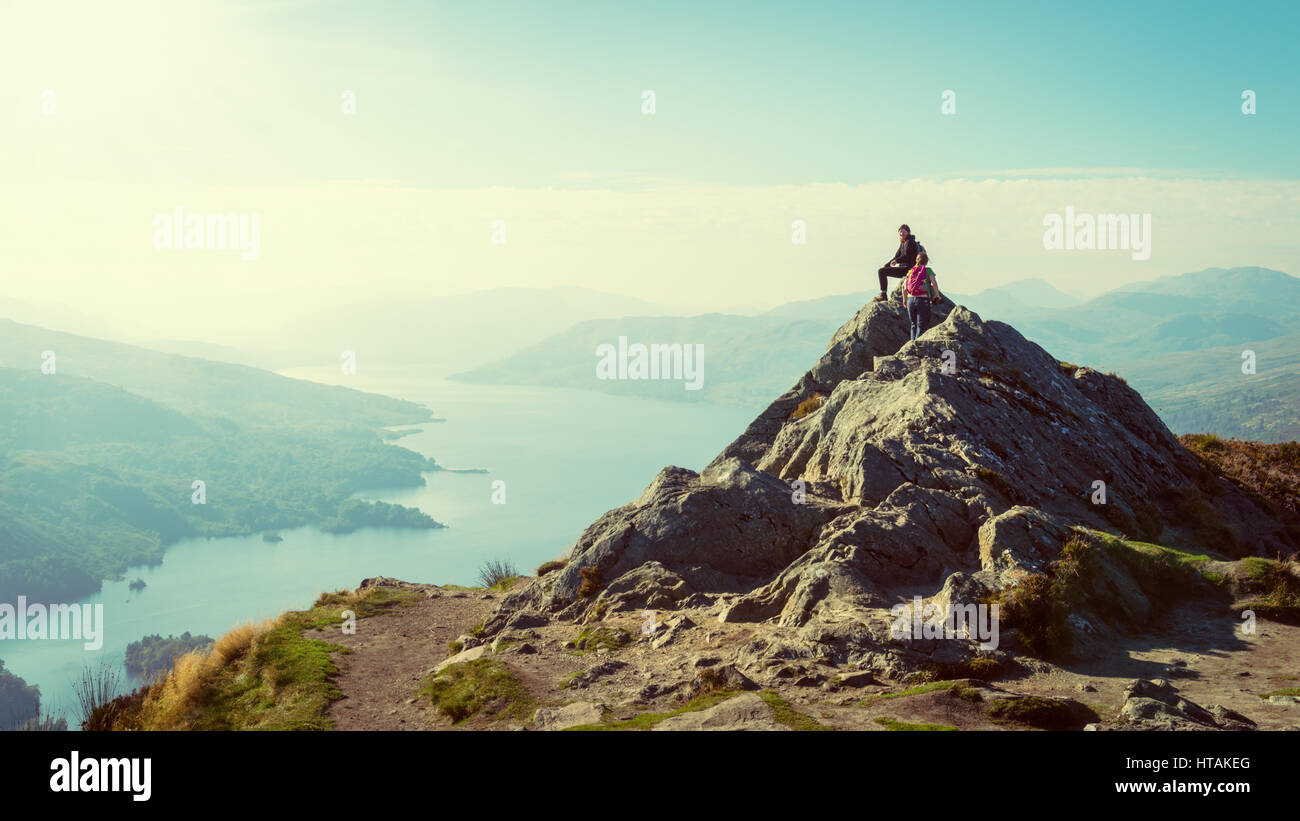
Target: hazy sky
(532, 113)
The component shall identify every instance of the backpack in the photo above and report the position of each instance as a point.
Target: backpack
(917, 282)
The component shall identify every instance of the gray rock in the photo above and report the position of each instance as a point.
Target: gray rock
(921, 480)
(725, 677)
(744, 712)
(858, 678)
(463, 656)
(648, 587)
(576, 714)
(1156, 705)
(671, 631)
(589, 676)
(524, 619)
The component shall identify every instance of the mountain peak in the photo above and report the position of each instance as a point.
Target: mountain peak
(951, 467)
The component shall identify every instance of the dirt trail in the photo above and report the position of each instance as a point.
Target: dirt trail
(392, 651)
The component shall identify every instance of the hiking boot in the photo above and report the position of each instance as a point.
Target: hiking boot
(881, 298)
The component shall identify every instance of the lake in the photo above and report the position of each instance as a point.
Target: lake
(565, 457)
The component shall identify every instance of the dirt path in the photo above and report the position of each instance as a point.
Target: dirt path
(391, 652)
(1201, 651)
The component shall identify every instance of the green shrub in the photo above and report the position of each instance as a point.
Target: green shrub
(547, 567)
(1034, 608)
(895, 725)
(461, 691)
(808, 405)
(590, 582)
(593, 638)
(497, 573)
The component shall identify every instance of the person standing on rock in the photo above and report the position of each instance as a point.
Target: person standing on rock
(916, 296)
(902, 260)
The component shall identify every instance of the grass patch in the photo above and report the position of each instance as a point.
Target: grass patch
(504, 644)
(1281, 598)
(645, 721)
(1043, 713)
(1068, 368)
(257, 676)
(1166, 574)
(1082, 580)
(894, 725)
(927, 687)
(982, 668)
(1144, 525)
(591, 639)
(462, 691)
(1188, 506)
(783, 713)
(1268, 473)
(547, 567)
(494, 573)
(1290, 691)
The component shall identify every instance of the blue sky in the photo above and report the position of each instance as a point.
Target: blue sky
(767, 114)
(523, 94)
(773, 93)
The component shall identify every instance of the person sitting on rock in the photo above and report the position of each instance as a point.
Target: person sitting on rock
(901, 261)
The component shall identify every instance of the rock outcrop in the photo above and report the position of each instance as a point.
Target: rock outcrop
(946, 468)
(1156, 705)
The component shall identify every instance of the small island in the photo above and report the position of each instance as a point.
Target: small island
(154, 654)
(137, 585)
(355, 513)
(272, 537)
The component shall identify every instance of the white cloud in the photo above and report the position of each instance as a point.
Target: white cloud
(87, 245)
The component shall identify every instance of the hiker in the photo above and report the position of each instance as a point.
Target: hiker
(920, 290)
(902, 260)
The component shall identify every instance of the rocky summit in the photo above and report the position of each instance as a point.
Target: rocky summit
(950, 469)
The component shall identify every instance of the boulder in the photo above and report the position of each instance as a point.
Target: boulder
(577, 714)
(463, 656)
(1156, 705)
(743, 712)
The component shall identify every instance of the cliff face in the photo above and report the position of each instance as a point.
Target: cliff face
(949, 468)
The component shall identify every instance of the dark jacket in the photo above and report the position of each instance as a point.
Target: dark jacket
(906, 254)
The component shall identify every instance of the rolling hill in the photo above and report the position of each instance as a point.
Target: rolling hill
(1209, 316)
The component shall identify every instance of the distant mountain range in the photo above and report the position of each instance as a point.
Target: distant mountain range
(445, 331)
(1209, 317)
